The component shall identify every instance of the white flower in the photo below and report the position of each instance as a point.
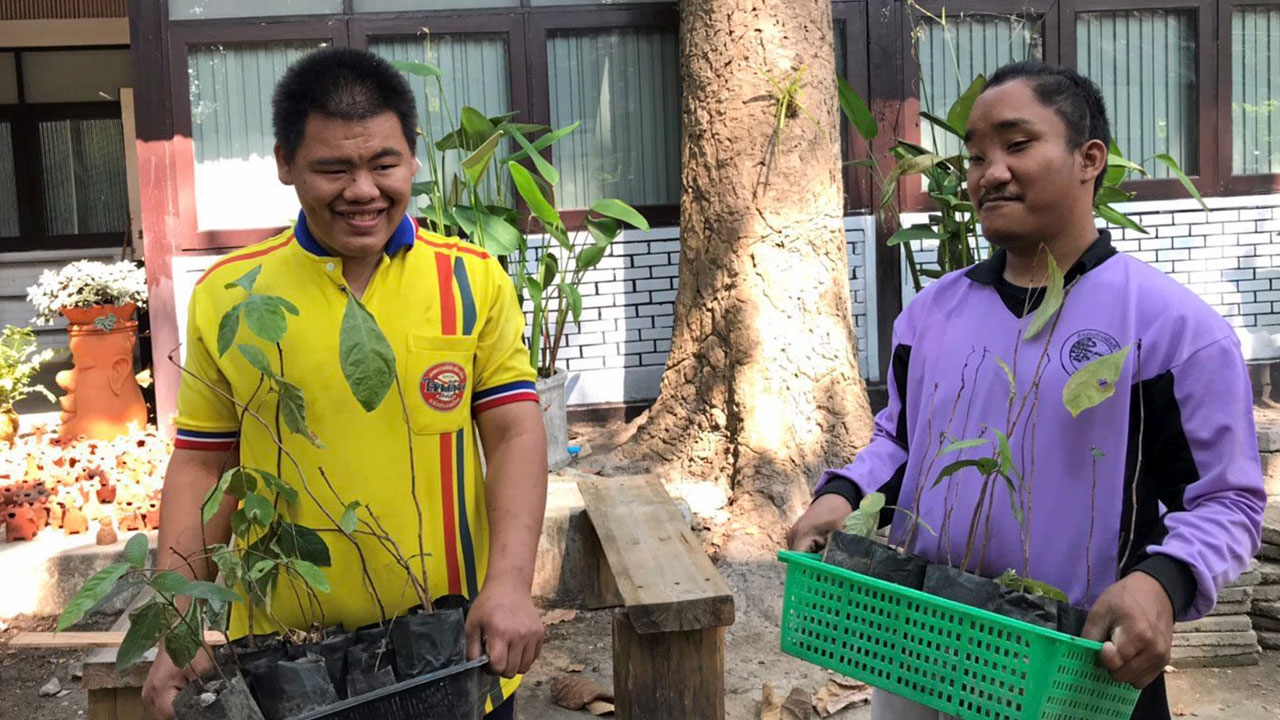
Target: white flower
(86, 283)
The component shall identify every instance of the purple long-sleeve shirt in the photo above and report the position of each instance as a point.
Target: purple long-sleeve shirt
(1183, 403)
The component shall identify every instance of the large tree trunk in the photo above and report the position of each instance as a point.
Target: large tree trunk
(762, 389)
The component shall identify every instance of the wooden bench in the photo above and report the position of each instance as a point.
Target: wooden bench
(668, 635)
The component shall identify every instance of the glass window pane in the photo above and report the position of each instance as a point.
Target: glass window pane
(235, 167)
(476, 74)
(8, 79)
(400, 5)
(624, 87)
(8, 185)
(85, 187)
(75, 75)
(1145, 64)
(952, 56)
(1255, 90)
(209, 9)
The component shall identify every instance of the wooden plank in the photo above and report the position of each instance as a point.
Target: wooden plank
(667, 674)
(129, 704)
(666, 581)
(100, 639)
(600, 589)
(102, 704)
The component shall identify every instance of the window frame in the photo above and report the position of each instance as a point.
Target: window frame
(858, 185)
(24, 119)
(1206, 179)
(1229, 183)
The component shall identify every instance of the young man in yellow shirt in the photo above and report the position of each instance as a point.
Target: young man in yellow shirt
(345, 126)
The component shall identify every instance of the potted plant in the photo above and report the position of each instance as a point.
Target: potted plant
(412, 665)
(20, 360)
(547, 260)
(99, 301)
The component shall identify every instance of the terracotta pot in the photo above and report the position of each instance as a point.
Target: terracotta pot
(75, 521)
(56, 512)
(151, 515)
(41, 513)
(103, 397)
(8, 425)
(106, 533)
(20, 524)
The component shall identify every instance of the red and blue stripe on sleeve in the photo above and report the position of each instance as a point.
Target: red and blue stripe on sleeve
(197, 440)
(519, 391)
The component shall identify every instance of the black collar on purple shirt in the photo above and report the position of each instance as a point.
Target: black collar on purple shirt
(991, 270)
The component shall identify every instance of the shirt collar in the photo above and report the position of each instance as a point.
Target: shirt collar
(402, 238)
(991, 270)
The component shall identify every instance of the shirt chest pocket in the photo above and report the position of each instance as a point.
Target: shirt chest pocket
(438, 382)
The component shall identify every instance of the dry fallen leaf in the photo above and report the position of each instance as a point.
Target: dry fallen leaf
(555, 617)
(576, 693)
(1181, 711)
(840, 693)
(798, 705)
(600, 707)
(575, 667)
(770, 703)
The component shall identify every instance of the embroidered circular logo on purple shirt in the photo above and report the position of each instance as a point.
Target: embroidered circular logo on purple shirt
(1084, 347)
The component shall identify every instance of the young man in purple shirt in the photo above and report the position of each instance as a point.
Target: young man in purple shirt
(1141, 507)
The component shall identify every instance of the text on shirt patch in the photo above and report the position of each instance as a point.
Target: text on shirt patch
(443, 386)
(1086, 346)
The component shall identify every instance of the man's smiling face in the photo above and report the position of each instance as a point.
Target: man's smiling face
(1024, 177)
(354, 179)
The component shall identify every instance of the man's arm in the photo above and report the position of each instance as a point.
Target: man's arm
(190, 475)
(503, 620)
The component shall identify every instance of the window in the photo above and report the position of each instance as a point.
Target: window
(84, 176)
(8, 184)
(951, 56)
(385, 5)
(1145, 64)
(476, 74)
(74, 75)
(212, 9)
(1255, 90)
(230, 90)
(624, 87)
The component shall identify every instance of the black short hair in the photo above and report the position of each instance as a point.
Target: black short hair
(1074, 97)
(340, 83)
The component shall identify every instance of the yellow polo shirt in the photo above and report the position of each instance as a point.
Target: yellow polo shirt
(449, 311)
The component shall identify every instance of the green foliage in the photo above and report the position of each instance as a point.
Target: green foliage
(135, 551)
(1010, 580)
(20, 361)
(91, 593)
(147, 626)
(1054, 292)
(865, 520)
(1093, 383)
(367, 360)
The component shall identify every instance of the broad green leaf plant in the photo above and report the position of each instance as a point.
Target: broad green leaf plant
(477, 201)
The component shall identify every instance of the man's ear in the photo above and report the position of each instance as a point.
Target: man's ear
(1093, 160)
(283, 169)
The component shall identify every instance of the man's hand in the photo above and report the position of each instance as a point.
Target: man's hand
(165, 680)
(810, 532)
(504, 622)
(1134, 621)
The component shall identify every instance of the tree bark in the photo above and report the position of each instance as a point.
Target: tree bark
(762, 390)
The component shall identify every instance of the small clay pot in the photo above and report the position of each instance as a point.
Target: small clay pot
(75, 522)
(20, 523)
(56, 510)
(106, 533)
(151, 515)
(107, 494)
(41, 513)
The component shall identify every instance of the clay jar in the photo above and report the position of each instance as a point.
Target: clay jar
(103, 397)
(128, 518)
(106, 533)
(20, 523)
(74, 521)
(151, 515)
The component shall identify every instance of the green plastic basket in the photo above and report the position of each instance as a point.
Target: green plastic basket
(957, 659)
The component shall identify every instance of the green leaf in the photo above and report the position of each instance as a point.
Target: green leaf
(475, 164)
(420, 189)
(856, 110)
(147, 625)
(1174, 168)
(213, 592)
(313, 575)
(242, 481)
(279, 486)
(1005, 453)
(603, 230)
(500, 236)
(575, 299)
(213, 498)
(476, 129)
(170, 583)
(541, 143)
(958, 115)
(959, 445)
(229, 566)
(261, 568)
(1110, 194)
(955, 467)
(347, 523)
(367, 360)
(1053, 295)
(228, 327)
(421, 69)
(618, 210)
(240, 524)
(183, 641)
(533, 197)
(247, 280)
(258, 510)
(591, 256)
(1115, 217)
(1014, 505)
(545, 169)
(1115, 159)
(257, 359)
(941, 124)
(908, 166)
(302, 543)
(91, 593)
(1093, 383)
(264, 318)
(548, 268)
(918, 232)
(293, 410)
(280, 303)
(1008, 373)
(135, 551)
(872, 503)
